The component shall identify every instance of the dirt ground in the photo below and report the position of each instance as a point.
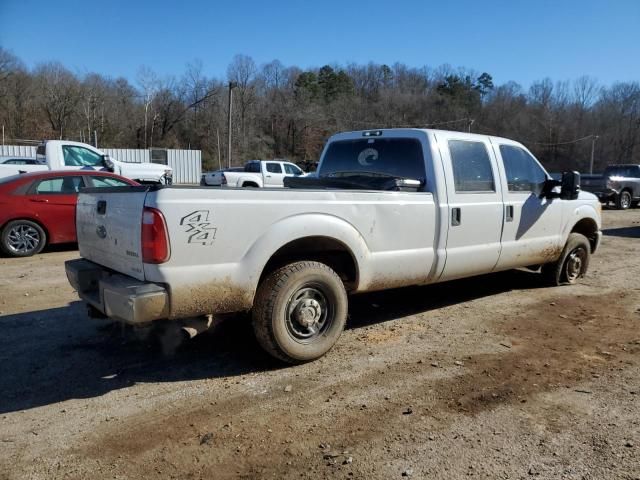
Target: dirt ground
(491, 377)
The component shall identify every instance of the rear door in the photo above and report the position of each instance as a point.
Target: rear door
(54, 201)
(475, 204)
(109, 224)
(273, 174)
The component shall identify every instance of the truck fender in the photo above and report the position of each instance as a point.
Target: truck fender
(302, 226)
(577, 215)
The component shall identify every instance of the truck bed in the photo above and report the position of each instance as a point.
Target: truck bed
(221, 239)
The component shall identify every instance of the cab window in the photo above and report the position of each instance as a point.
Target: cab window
(292, 169)
(471, 165)
(60, 185)
(523, 172)
(274, 168)
(80, 157)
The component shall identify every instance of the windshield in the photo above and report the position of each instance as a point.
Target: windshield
(398, 157)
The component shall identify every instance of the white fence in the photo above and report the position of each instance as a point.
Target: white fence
(186, 164)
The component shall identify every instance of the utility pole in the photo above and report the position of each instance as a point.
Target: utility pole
(219, 159)
(232, 85)
(593, 148)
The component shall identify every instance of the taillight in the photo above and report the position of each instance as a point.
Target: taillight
(224, 179)
(155, 238)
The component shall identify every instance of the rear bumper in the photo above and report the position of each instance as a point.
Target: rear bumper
(117, 296)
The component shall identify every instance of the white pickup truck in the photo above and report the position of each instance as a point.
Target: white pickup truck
(67, 155)
(256, 174)
(388, 208)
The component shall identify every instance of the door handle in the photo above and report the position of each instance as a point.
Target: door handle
(509, 213)
(456, 216)
(39, 200)
(268, 176)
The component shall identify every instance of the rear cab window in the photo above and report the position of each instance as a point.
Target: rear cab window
(398, 157)
(472, 172)
(274, 167)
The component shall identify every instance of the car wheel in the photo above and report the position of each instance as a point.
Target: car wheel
(22, 238)
(300, 311)
(572, 264)
(623, 201)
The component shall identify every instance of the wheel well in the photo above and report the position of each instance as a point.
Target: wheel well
(326, 250)
(249, 184)
(589, 229)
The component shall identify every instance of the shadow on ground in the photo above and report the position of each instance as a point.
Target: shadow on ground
(53, 355)
(626, 232)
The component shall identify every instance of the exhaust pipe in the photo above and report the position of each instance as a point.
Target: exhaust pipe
(195, 326)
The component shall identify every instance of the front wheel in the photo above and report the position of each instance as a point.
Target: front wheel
(22, 238)
(572, 264)
(300, 311)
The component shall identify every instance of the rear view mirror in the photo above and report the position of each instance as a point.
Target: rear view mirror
(570, 185)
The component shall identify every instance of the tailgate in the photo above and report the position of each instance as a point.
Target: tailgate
(108, 225)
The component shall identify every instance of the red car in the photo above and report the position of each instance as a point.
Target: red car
(39, 208)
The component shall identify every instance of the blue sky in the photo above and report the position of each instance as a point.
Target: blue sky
(512, 40)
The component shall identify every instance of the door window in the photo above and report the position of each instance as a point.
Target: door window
(292, 169)
(80, 157)
(274, 168)
(100, 181)
(523, 172)
(471, 167)
(60, 185)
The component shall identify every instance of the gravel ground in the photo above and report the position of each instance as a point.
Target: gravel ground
(489, 377)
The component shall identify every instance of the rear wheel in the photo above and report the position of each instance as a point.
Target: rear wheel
(572, 264)
(22, 238)
(623, 200)
(300, 311)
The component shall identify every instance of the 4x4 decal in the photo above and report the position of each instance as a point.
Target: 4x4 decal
(199, 228)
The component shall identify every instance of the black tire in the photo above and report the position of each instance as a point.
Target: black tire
(623, 200)
(250, 185)
(292, 303)
(22, 238)
(572, 264)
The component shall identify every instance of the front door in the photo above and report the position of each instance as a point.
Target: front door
(474, 195)
(531, 234)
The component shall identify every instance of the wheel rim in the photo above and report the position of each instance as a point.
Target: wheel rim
(575, 264)
(23, 238)
(625, 200)
(309, 314)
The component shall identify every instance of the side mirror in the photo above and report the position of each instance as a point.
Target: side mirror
(570, 185)
(108, 163)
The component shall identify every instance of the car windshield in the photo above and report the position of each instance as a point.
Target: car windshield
(393, 157)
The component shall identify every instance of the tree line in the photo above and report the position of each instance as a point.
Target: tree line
(286, 112)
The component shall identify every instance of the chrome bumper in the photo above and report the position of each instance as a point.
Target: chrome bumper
(117, 296)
